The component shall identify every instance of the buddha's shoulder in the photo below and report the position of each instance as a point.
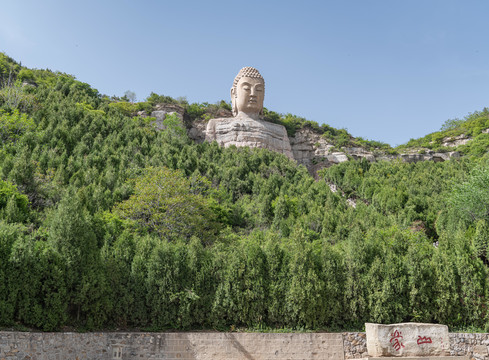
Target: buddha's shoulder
(221, 120)
(244, 121)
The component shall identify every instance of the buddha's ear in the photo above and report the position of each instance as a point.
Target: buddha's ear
(233, 101)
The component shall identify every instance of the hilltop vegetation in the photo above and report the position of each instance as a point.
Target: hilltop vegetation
(106, 222)
(473, 125)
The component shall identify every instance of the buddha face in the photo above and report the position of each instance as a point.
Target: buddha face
(248, 96)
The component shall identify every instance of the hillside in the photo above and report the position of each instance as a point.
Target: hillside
(469, 136)
(108, 220)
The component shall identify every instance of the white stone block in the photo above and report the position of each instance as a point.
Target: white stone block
(407, 340)
(420, 358)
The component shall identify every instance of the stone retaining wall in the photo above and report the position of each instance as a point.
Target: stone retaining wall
(170, 346)
(355, 345)
(207, 345)
(474, 345)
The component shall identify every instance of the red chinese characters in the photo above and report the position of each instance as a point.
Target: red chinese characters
(423, 340)
(396, 338)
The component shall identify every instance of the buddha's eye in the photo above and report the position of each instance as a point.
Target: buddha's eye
(246, 87)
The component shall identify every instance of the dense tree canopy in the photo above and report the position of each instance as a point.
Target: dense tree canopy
(106, 221)
(170, 205)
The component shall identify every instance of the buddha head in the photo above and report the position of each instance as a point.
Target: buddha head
(248, 93)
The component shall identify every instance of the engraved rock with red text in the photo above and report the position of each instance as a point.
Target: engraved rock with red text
(407, 339)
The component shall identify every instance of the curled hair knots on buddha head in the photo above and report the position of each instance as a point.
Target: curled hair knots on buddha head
(247, 71)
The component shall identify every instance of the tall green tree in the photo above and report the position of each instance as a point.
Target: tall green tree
(471, 197)
(170, 205)
(72, 235)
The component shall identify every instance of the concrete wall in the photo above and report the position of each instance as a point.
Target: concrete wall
(206, 345)
(170, 346)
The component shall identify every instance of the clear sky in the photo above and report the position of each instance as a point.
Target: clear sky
(387, 70)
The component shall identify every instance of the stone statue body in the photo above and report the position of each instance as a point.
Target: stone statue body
(247, 128)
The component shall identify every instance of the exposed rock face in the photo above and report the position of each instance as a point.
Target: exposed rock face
(248, 132)
(407, 339)
(197, 131)
(456, 140)
(313, 151)
(307, 147)
(429, 156)
(166, 109)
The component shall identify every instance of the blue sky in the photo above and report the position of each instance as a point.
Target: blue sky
(387, 70)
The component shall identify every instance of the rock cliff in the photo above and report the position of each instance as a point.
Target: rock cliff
(315, 152)
(307, 146)
(162, 110)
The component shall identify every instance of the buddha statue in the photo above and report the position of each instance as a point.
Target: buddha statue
(247, 128)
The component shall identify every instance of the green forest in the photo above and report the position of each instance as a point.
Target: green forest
(108, 223)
